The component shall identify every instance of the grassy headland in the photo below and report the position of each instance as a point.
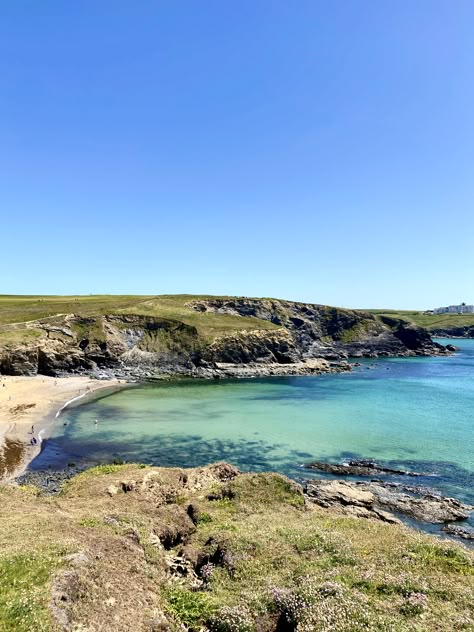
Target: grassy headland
(21, 309)
(134, 547)
(428, 321)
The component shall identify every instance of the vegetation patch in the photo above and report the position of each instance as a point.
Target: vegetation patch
(188, 607)
(210, 549)
(24, 592)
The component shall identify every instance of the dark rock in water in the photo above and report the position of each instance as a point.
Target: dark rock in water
(361, 467)
(49, 481)
(374, 497)
(460, 532)
(452, 348)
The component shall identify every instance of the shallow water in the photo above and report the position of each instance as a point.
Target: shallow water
(415, 413)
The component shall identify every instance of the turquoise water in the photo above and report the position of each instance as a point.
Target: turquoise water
(416, 413)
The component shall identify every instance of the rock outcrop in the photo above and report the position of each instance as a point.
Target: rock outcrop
(371, 498)
(465, 331)
(319, 331)
(361, 467)
(304, 339)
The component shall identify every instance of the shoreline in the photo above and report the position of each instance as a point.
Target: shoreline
(36, 402)
(30, 406)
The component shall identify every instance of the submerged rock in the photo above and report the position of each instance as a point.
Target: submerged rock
(357, 468)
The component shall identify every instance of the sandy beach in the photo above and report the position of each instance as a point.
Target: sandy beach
(28, 409)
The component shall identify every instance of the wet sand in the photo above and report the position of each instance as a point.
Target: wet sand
(29, 408)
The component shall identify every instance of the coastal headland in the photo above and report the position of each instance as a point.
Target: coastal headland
(198, 336)
(133, 547)
(54, 349)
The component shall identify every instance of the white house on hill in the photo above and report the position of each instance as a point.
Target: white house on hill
(455, 309)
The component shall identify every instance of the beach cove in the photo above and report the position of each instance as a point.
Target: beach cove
(414, 413)
(29, 411)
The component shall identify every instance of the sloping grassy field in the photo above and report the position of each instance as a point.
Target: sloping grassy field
(428, 321)
(139, 548)
(21, 309)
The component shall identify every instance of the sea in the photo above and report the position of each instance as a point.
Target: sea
(414, 414)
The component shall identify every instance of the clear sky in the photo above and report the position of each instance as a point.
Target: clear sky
(314, 150)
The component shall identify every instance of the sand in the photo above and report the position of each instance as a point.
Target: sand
(29, 407)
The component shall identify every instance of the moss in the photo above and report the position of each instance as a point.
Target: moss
(91, 328)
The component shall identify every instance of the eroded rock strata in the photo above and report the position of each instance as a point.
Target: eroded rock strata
(382, 500)
(304, 339)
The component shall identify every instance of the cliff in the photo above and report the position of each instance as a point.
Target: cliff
(200, 336)
(440, 325)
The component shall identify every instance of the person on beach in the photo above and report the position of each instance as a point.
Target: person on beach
(33, 429)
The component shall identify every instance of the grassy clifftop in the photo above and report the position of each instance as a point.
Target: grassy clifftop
(137, 335)
(139, 548)
(21, 309)
(431, 322)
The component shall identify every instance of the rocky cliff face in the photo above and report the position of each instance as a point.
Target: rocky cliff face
(137, 346)
(319, 331)
(466, 331)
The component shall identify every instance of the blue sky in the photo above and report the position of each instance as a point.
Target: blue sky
(313, 150)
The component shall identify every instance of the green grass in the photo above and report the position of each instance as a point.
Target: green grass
(21, 309)
(428, 321)
(256, 554)
(24, 588)
(189, 608)
(18, 336)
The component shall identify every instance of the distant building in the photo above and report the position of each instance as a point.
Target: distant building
(455, 309)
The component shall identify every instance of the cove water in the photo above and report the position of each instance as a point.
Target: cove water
(412, 413)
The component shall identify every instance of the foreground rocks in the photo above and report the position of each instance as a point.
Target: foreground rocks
(137, 548)
(380, 500)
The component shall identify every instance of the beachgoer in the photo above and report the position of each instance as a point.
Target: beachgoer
(33, 429)
(96, 421)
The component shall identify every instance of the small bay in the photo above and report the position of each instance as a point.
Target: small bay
(415, 413)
